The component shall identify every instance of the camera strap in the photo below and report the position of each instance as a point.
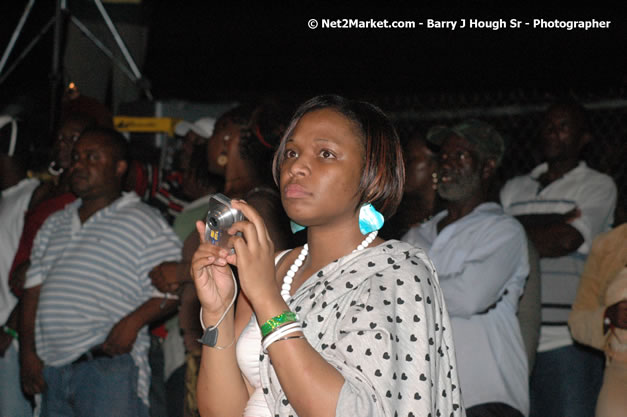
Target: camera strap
(210, 336)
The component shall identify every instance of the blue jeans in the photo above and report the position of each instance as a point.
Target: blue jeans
(12, 400)
(565, 382)
(97, 388)
(157, 394)
(175, 387)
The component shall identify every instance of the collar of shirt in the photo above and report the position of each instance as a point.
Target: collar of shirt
(544, 167)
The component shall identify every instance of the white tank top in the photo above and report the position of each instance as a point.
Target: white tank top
(247, 350)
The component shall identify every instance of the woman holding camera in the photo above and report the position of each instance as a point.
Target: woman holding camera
(347, 324)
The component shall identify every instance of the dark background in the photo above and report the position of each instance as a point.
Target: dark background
(260, 48)
(204, 52)
(201, 52)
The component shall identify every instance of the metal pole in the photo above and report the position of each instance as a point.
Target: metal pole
(121, 45)
(55, 76)
(26, 50)
(16, 33)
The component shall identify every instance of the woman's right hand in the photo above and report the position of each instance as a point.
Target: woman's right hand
(212, 276)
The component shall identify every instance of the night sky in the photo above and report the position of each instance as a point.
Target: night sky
(271, 48)
(201, 53)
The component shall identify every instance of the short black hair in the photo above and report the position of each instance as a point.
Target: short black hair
(240, 114)
(115, 140)
(260, 139)
(575, 108)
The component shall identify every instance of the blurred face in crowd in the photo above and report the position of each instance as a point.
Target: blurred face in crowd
(189, 141)
(62, 147)
(420, 164)
(321, 170)
(460, 169)
(95, 172)
(562, 134)
(224, 134)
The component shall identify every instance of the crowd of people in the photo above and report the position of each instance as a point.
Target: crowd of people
(372, 275)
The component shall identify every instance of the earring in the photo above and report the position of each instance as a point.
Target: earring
(369, 219)
(296, 227)
(223, 158)
(434, 180)
(53, 170)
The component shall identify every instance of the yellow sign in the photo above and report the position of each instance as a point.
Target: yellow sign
(145, 124)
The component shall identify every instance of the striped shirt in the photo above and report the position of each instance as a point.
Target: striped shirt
(169, 197)
(594, 194)
(94, 274)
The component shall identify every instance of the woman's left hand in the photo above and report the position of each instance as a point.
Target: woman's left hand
(254, 254)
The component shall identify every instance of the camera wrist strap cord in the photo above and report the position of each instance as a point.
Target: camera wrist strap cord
(210, 336)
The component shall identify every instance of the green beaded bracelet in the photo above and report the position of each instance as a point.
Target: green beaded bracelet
(269, 326)
(11, 332)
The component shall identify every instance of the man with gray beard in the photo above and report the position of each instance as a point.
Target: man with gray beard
(481, 258)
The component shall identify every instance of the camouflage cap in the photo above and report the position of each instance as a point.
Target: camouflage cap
(481, 134)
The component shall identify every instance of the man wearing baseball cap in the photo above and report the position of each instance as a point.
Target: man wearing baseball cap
(202, 127)
(176, 189)
(480, 254)
(193, 134)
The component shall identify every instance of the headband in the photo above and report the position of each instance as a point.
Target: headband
(260, 138)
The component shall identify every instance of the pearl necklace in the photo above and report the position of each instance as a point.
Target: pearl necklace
(289, 276)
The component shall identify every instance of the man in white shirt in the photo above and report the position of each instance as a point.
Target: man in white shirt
(15, 195)
(563, 205)
(480, 255)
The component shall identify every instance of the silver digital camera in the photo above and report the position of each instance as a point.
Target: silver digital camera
(220, 218)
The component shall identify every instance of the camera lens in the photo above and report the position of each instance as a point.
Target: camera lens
(213, 222)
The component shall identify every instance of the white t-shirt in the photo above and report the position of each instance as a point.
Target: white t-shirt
(13, 206)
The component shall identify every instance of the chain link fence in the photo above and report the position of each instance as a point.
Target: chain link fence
(517, 116)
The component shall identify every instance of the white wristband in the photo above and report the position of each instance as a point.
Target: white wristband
(279, 333)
